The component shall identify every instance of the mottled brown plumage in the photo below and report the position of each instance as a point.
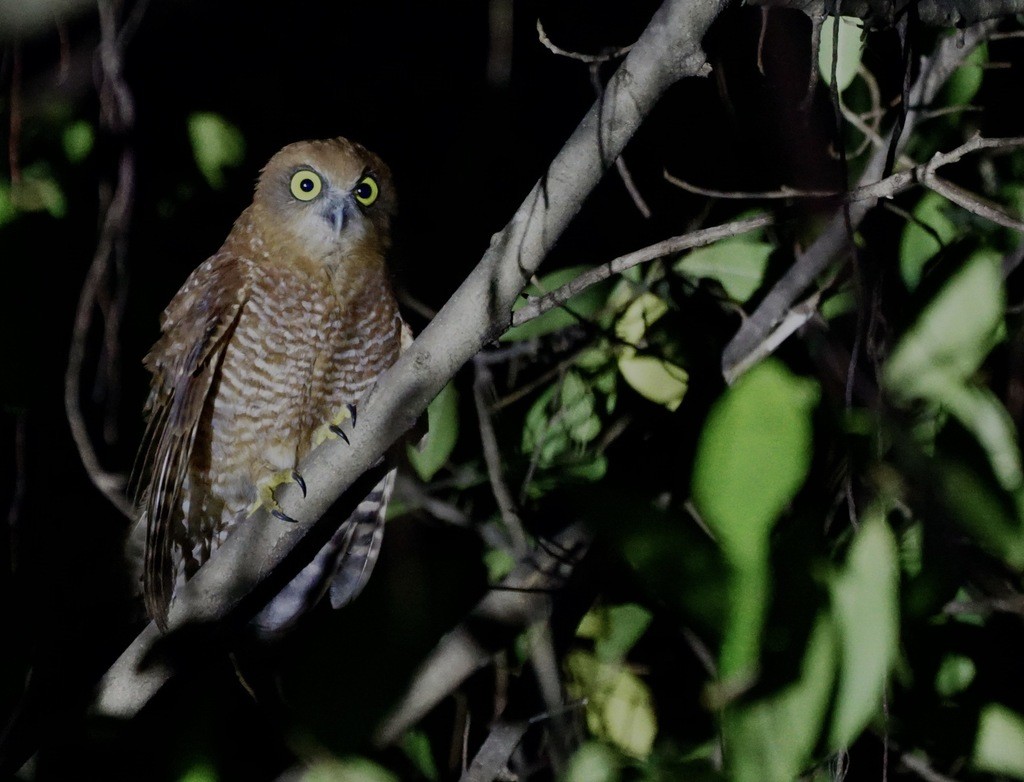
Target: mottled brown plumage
(264, 346)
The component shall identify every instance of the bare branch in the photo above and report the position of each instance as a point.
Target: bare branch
(969, 201)
(538, 306)
(769, 195)
(492, 758)
(893, 184)
(590, 59)
(117, 113)
(834, 240)
(482, 385)
(669, 49)
(524, 598)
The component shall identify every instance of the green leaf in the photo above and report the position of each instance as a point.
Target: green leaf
(78, 139)
(216, 145)
(865, 598)
(752, 457)
(416, 747)
(614, 629)
(593, 762)
(653, 377)
(201, 771)
(562, 420)
(771, 740)
(442, 434)
(348, 770)
(955, 674)
(583, 305)
(953, 335)
(918, 244)
(850, 47)
(499, 563)
(965, 81)
(982, 414)
(619, 705)
(37, 191)
(639, 316)
(8, 211)
(999, 744)
(978, 509)
(737, 263)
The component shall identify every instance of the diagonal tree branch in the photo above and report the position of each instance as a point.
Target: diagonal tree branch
(668, 50)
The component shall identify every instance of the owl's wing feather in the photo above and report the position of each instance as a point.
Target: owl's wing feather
(364, 532)
(343, 564)
(185, 361)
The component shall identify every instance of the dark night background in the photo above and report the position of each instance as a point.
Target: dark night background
(411, 82)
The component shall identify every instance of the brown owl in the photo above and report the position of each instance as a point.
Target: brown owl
(264, 352)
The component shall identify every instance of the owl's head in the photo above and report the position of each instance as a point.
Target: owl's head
(333, 196)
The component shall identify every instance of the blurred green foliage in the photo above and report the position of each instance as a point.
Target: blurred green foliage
(819, 564)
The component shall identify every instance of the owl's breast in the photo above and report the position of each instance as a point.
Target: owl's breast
(259, 410)
(299, 354)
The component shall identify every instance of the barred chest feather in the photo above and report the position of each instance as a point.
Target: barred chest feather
(300, 352)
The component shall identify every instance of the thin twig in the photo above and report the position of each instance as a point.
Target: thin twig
(770, 195)
(117, 114)
(834, 240)
(611, 54)
(969, 201)
(923, 769)
(528, 388)
(549, 680)
(482, 385)
(525, 599)
(538, 306)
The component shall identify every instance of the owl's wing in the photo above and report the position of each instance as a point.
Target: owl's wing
(197, 326)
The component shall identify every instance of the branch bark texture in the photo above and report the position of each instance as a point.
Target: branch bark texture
(478, 312)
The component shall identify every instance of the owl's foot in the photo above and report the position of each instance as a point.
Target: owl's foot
(333, 427)
(265, 493)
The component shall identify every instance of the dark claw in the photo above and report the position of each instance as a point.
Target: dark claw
(302, 484)
(339, 431)
(352, 411)
(280, 514)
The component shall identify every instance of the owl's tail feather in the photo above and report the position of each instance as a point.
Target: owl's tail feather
(342, 566)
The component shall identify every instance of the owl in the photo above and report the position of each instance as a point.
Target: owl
(263, 354)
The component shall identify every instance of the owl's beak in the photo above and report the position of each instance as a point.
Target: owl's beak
(337, 213)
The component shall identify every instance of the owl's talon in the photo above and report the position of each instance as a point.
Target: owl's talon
(299, 480)
(265, 488)
(333, 428)
(277, 513)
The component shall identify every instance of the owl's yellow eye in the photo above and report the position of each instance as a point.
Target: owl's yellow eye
(306, 185)
(367, 191)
